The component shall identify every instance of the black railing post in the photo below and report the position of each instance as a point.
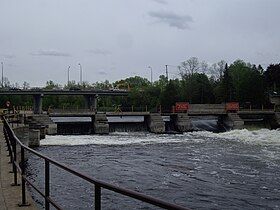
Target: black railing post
(8, 143)
(14, 150)
(47, 184)
(97, 197)
(23, 182)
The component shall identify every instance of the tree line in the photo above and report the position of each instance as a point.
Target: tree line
(198, 82)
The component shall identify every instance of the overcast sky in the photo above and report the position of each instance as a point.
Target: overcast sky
(114, 39)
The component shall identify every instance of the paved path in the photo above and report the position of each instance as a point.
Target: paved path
(10, 196)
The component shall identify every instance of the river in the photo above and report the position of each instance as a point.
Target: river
(238, 169)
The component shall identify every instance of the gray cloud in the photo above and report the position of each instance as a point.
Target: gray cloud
(266, 54)
(160, 1)
(172, 19)
(50, 53)
(102, 73)
(99, 52)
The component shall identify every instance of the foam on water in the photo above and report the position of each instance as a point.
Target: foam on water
(262, 136)
(117, 138)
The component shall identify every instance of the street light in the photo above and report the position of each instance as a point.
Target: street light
(151, 73)
(2, 74)
(81, 74)
(68, 78)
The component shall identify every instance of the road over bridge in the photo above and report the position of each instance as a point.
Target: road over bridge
(89, 95)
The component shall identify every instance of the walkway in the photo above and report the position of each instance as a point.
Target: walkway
(10, 196)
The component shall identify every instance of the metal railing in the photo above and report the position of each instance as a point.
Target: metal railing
(20, 167)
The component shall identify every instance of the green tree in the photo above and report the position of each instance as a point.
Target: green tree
(170, 95)
(247, 82)
(272, 77)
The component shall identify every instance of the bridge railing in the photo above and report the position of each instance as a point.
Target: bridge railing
(72, 110)
(103, 109)
(124, 109)
(17, 148)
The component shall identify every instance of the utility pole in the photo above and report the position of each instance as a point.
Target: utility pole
(2, 74)
(68, 78)
(166, 71)
(81, 74)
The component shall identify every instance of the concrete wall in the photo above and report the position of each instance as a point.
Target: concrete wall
(206, 106)
(206, 109)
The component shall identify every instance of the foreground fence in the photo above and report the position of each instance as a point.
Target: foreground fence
(17, 148)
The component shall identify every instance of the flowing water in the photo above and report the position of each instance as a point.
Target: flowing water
(237, 169)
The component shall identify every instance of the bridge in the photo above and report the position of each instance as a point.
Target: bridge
(89, 95)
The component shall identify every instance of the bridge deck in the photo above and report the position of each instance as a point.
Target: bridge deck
(190, 113)
(65, 92)
(89, 114)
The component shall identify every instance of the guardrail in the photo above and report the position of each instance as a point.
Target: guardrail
(20, 167)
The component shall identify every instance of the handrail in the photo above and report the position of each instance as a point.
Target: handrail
(12, 142)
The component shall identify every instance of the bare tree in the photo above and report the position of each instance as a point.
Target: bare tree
(221, 68)
(204, 67)
(217, 69)
(6, 82)
(25, 85)
(189, 67)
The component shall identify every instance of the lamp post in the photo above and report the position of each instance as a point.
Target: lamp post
(68, 78)
(151, 73)
(2, 74)
(166, 71)
(81, 74)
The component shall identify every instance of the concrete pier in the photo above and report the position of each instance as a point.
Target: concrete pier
(34, 138)
(182, 122)
(233, 121)
(276, 120)
(91, 102)
(43, 119)
(100, 124)
(10, 196)
(156, 123)
(37, 103)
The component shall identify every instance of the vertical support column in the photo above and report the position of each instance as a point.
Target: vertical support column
(97, 195)
(37, 103)
(91, 102)
(47, 184)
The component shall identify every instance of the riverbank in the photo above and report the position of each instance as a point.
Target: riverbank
(10, 196)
